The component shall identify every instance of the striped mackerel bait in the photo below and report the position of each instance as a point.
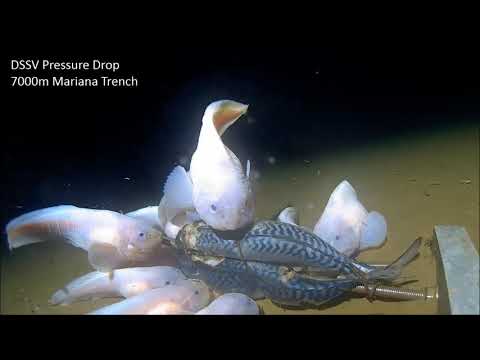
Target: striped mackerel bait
(268, 261)
(260, 280)
(285, 244)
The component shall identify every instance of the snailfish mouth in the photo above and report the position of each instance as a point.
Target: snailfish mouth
(132, 247)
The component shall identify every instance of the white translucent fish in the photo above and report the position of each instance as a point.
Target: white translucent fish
(231, 304)
(346, 224)
(112, 240)
(374, 231)
(122, 283)
(147, 214)
(216, 188)
(186, 298)
(222, 193)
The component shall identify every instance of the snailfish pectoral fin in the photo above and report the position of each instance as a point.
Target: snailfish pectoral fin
(105, 257)
(178, 189)
(289, 215)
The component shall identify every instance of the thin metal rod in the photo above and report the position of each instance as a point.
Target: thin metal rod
(390, 292)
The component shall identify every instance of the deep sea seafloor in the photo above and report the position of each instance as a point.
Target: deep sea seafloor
(415, 179)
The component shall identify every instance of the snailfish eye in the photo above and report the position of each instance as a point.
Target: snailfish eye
(213, 208)
(141, 234)
(196, 292)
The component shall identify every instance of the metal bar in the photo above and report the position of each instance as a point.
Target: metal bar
(458, 271)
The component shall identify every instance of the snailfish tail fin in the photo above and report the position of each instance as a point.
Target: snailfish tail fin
(393, 271)
(85, 286)
(39, 225)
(408, 255)
(289, 215)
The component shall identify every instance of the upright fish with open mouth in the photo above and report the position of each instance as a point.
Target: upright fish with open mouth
(216, 189)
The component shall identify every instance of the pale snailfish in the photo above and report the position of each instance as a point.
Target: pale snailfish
(231, 304)
(347, 225)
(126, 283)
(216, 189)
(187, 297)
(112, 240)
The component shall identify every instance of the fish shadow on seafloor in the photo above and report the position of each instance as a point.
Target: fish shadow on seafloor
(327, 305)
(405, 283)
(237, 234)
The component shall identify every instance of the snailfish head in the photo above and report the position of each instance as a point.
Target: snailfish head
(142, 238)
(230, 208)
(199, 297)
(224, 113)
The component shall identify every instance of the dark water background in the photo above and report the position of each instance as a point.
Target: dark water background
(69, 145)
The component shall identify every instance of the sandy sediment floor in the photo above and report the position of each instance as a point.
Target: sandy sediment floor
(415, 181)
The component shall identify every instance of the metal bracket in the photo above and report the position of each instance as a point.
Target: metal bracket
(457, 271)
